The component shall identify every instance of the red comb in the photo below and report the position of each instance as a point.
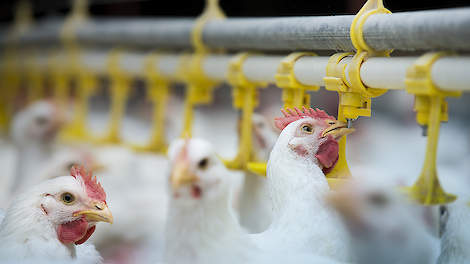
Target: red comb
(291, 115)
(92, 186)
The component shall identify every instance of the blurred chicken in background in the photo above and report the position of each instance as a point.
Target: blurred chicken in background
(384, 226)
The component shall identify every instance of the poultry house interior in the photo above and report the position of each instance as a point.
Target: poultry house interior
(140, 131)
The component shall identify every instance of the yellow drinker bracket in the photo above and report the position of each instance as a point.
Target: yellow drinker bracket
(10, 75)
(120, 85)
(350, 105)
(293, 92)
(157, 92)
(212, 11)
(77, 130)
(198, 86)
(34, 78)
(431, 109)
(60, 81)
(245, 98)
(354, 96)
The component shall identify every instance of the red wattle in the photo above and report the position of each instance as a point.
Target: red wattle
(89, 232)
(328, 154)
(72, 231)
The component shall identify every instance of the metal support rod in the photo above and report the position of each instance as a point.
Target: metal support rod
(446, 29)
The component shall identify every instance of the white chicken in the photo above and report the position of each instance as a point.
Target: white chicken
(46, 222)
(455, 235)
(306, 149)
(201, 222)
(33, 133)
(454, 218)
(255, 204)
(384, 227)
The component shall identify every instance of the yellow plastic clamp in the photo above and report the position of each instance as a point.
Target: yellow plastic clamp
(199, 88)
(354, 96)
(120, 84)
(77, 129)
(10, 87)
(10, 76)
(245, 98)
(356, 31)
(60, 77)
(335, 81)
(34, 78)
(431, 109)
(211, 11)
(294, 93)
(157, 92)
(78, 15)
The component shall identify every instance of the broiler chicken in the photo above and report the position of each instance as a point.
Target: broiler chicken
(384, 227)
(455, 235)
(33, 133)
(453, 222)
(306, 149)
(201, 223)
(50, 222)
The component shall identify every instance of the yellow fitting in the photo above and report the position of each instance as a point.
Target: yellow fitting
(293, 92)
(120, 85)
(356, 32)
(335, 81)
(78, 129)
(34, 77)
(245, 98)
(212, 11)
(157, 92)
(77, 17)
(10, 86)
(199, 88)
(354, 96)
(11, 76)
(60, 79)
(431, 109)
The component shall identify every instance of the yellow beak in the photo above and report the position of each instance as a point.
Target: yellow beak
(337, 129)
(99, 213)
(181, 175)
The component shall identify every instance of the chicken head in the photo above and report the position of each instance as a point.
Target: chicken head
(74, 205)
(313, 135)
(195, 171)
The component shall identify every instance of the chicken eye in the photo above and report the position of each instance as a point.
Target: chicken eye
(443, 211)
(67, 198)
(70, 165)
(307, 128)
(41, 120)
(378, 199)
(202, 164)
